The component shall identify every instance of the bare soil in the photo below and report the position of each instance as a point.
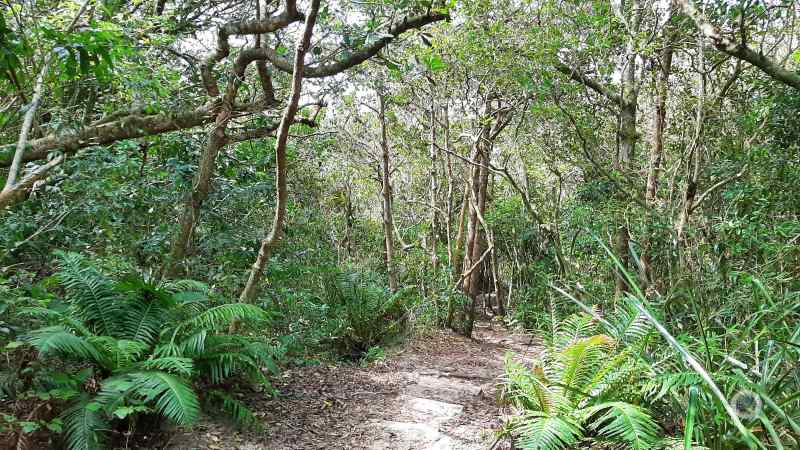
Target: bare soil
(438, 391)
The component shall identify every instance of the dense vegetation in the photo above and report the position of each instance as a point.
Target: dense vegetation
(199, 194)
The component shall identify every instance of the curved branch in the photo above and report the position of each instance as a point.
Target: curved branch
(576, 75)
(275, 234)
(260, 26)
(326, 70)
(739, 50)
(133, 125)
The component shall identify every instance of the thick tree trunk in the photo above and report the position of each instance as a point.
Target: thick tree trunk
(478, 279)
(276, 232)
(386, 197)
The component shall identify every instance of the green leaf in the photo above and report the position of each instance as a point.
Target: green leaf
(30, 427)
(123, 411)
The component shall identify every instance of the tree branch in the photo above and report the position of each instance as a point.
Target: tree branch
(580, 77)
(325, 70)
(739, 50)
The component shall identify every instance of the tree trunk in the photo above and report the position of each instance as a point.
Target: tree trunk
(627, 140)
(656, 156)
(434, 188)
(450, 182)
(386, 197)
(276, 232)
(479, 282)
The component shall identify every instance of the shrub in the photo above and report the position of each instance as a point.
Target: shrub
(113, 351)
(582, 387)
(363, 313)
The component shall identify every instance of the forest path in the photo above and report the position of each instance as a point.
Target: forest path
(438, 391)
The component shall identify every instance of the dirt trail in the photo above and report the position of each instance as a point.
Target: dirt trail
(437, 393)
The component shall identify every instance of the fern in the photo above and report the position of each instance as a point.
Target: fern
(186, 287)
(572, 328)
(670, 381)
(216, 317)
(175, 365)
(542, 432)
(625, 422)
(156, 341)
(580, 361)
(629, 325)
(91, 293)
(566, 392)
(118, 352)
(194, 344)
(241, 415)
(145, 320)
(220, 366)
(56, 340)
(83, 426)
(529, 390)
(174, 397)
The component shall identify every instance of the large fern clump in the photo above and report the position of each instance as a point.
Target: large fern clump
(145, 347)
(363, 312)
(581, 388)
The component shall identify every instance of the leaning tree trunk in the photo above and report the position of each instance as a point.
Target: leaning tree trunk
(386, 198)
(14, 191)
(276, 232)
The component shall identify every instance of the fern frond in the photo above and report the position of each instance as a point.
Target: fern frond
(538, 431)
(174, 397)
(195, 344)
(175, 365)
(179, 286)
(56, 317)
(527, 389)
(241, 415)
(263, 354)
(167, 349)
(58, 340)
(581, 360)
(146, 318)
(91, 293)
(624, 422)
(572, 329)
(220, 366)
(119, 352)
(610, 370)
(84, 424)
(664, 383)
(629, 325)
(218, 316)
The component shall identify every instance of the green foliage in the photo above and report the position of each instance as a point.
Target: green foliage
(365, 314)
(580, 388)
(150, 345)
